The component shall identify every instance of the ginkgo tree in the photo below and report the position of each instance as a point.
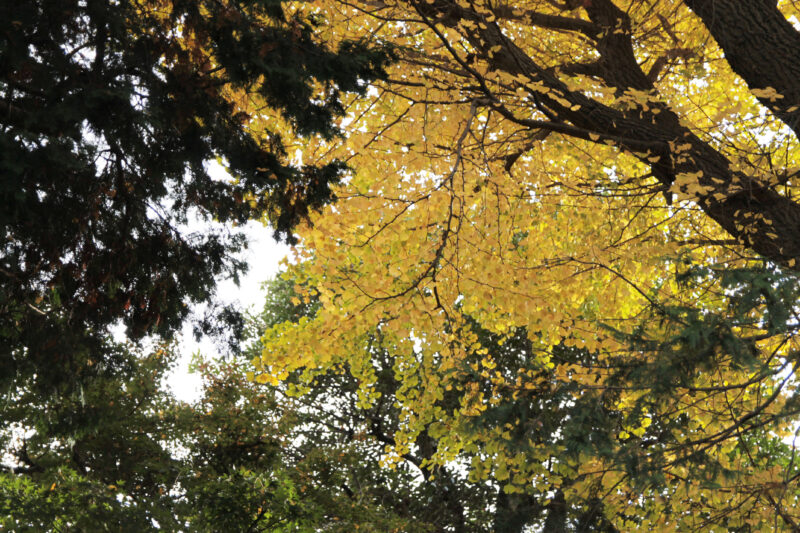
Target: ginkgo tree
(617, 179)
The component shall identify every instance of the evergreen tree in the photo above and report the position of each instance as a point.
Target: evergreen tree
(110, 113)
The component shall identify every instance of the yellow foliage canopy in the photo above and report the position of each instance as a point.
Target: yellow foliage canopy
(540, 166)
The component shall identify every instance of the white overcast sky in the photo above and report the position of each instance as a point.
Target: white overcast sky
(262, 256)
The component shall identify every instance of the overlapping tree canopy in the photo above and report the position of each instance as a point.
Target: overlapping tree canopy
(614, 180)
(565, 265)
(110, 114)
(125, 455)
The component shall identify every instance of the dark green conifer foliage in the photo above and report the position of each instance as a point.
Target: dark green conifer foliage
(109, 115)
(123, 455)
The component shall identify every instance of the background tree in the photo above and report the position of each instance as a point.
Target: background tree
(122, 454)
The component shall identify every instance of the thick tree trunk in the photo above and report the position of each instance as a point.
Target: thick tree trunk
(761, 46)
(515, 511)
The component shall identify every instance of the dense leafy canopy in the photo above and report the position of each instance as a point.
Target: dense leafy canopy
(123, 455)
(612, 180)
(558, 292)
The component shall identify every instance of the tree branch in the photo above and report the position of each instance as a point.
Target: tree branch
(762, 47)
